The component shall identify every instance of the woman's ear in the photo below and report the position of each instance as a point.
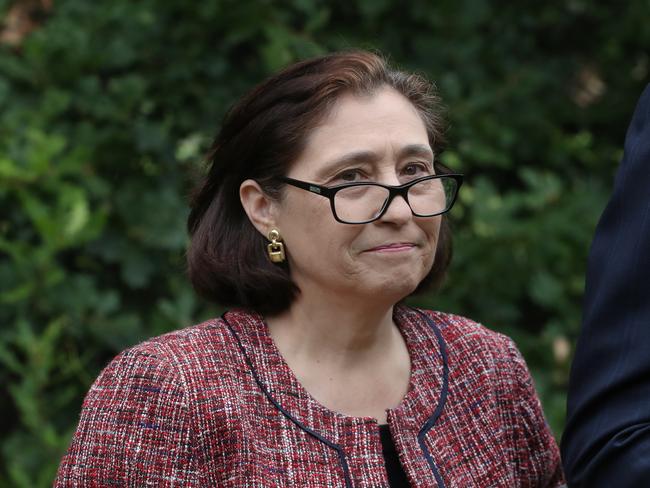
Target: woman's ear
(259, 207)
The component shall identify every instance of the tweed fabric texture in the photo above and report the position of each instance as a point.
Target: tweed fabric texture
(217, 405)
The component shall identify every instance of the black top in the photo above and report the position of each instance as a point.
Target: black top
(396, 475)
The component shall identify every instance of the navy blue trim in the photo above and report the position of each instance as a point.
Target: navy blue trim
(441, 401)
(336, 447)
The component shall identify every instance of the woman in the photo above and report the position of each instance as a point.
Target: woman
(322, 210)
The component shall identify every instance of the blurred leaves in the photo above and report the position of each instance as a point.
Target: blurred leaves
(106, 109)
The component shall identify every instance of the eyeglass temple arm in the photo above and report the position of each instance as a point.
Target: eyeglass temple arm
(310, 187)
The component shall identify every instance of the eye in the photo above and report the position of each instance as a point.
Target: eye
(350, 175)
(417, 168)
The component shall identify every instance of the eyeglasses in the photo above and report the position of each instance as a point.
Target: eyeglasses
(364, 202)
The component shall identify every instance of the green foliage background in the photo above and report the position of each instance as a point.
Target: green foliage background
(107, 107)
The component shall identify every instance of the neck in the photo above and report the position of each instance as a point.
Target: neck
(334, 330)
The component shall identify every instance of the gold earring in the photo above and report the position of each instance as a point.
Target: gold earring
(275, 249)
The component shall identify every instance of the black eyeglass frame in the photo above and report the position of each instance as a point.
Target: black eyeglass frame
(393, 191)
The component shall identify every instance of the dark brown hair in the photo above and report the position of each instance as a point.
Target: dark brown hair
(261, 136)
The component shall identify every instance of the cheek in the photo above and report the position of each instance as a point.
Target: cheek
(432, 231)
(298, 213)
(436, 234)
(310, 230)
(431, 228)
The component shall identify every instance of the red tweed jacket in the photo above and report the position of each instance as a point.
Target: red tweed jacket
(217, 405)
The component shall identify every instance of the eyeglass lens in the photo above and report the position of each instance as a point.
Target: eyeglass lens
(361, 203)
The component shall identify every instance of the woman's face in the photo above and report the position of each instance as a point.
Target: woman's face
(378, 138)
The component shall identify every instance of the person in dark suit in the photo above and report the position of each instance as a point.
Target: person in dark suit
(607, 438)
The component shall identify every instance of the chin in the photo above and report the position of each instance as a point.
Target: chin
(395, 288)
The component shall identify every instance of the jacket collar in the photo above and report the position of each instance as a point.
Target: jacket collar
(420, 406)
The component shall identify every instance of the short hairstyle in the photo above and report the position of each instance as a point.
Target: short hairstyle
(260, 137)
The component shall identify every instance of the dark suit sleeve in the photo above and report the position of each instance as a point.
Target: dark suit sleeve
(607, 438)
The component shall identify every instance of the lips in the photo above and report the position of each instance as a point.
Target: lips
(393, 247)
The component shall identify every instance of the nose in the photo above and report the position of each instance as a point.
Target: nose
(398, 211)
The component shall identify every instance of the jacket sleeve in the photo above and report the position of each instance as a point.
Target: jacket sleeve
(134, 428)
(607, 437)
(536, 452)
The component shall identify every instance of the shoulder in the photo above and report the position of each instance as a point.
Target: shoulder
(475, 350)
(207, 335)
(472, 349)
(180, 356)
(462, 334)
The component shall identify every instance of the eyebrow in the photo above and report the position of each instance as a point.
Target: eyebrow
(371, 157)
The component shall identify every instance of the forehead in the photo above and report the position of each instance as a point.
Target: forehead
(383, 123)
